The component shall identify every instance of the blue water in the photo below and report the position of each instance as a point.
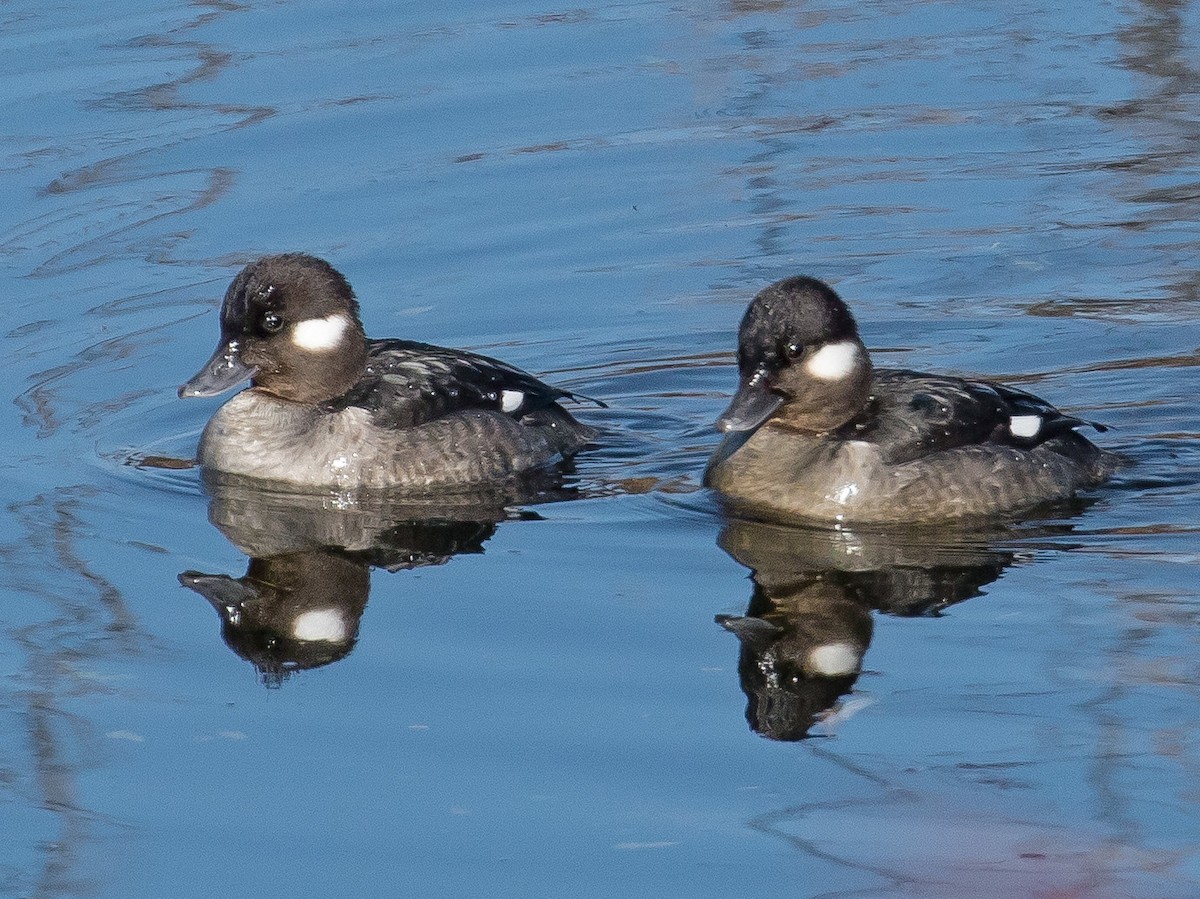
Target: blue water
(545, 705)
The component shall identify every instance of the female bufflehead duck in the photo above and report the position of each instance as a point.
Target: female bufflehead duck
(815, 432)
(327, 407)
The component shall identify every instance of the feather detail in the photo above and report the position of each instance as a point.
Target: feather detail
(910, 415)
(407, 383)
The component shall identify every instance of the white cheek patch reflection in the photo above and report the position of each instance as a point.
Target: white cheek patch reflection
(320, 335)
(510, 400)
(833, 361)
(1025, 425)
(327, 625)
(834, 659)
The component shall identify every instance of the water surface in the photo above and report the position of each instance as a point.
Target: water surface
(538, 701)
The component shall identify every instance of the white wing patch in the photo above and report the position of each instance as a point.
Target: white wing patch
(320, 334)
(327, 625)
(1025, 425)
(833, 361)
(511, 400)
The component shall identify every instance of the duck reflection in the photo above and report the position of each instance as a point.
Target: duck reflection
(299, 604)
(808, 625)
(289, 612)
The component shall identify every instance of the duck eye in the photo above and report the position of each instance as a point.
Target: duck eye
(272, 322)
(792, 348)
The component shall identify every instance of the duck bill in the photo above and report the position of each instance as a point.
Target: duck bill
(751, 406)
(224, 593)
(224, 370)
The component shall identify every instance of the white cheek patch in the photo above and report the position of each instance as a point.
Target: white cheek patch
(1025, 425)
(320, 334)
(834, 659)
(511, 400)
(833, 361)
(327, 625)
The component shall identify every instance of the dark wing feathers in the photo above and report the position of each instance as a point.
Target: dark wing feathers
(407, 383)
(1023, 403)
(911, 414)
